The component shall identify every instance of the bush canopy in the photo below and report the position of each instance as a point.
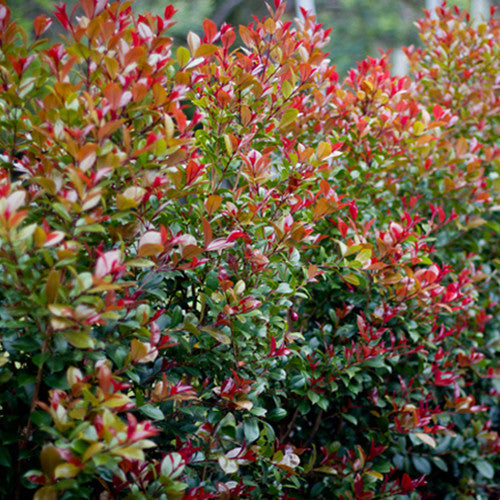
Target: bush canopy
(224, 273)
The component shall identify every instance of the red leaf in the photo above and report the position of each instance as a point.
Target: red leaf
(62, 16)
(406, 484)
(169, 12)
(353, 210)
(437, 111)
(228, 38)
(343, 227)
(113, 94)
(41, 24)
(234, 235)
(210, 30)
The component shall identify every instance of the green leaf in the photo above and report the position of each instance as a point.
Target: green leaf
(313, 396)
(484, 468)
(258, 411)
(350, 418)
(297, 382)
(5, 459)
(227, 465)
(421, 464)
(172, 465)
(440, 463)
(251, 430)
(284, 288)
(324, 403)
(152, 412)
(277, 414)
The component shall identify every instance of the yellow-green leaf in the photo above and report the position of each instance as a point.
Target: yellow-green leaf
(217, 335)
(81, 340)
(364, 255)
(50, 459)
(375, 474)
(46, 493)
(183, 56)
(289, 116)
(130, 452)
(418, 128)
(66, 471)
(92, 450)
(123, 203)
(52, 285)
(426, 438)
(138, 350)
(352, 279)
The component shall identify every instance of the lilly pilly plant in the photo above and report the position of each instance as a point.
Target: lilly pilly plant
(228, 274)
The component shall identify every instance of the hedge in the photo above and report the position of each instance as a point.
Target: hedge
(225, 273)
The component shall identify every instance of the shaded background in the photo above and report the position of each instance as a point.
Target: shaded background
(360, 27)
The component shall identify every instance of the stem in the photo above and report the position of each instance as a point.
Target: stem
(290, 425)
(317, 423)
(34, 399)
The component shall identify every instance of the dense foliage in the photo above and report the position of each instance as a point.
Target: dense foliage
(361, 27)
(226, 274)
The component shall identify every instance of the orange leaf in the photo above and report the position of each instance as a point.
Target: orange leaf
(212, 203)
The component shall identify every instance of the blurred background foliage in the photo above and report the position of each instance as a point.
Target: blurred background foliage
(360, 27)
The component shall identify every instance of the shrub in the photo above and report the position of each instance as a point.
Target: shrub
(227, 275)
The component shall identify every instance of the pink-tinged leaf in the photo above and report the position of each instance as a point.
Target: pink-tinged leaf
(100, 5)
(426, 438)
(107, 263)
(88, 161)
(275, 351)
(442, 379)
(54, 238)
(145, 31)
(406, 484)
(125, 98)
(249, 304)
(14, 201)
(150, 244)
(4, 14)
(219, 244)
(21, 65)
(36, 476)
